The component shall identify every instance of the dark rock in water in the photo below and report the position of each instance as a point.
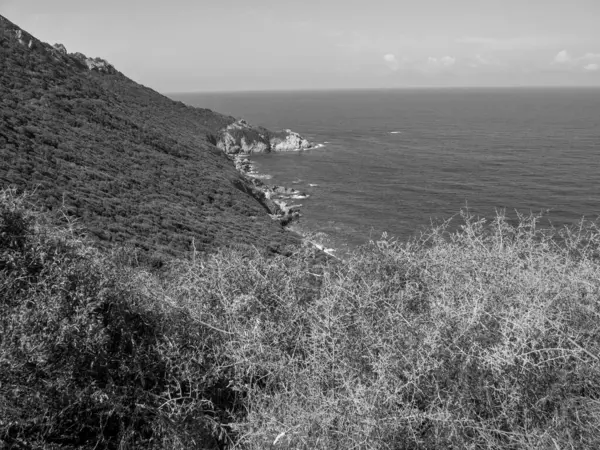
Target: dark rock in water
(286, 191)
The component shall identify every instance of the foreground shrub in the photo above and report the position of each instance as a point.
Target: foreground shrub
(488, 337)
(88, 361)
(485, 338)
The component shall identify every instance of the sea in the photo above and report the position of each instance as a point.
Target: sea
(397, 161)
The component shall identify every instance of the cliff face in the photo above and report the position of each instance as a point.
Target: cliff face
(133, 166)
(240, 137)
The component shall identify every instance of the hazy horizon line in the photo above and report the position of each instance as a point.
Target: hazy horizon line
(396, 88)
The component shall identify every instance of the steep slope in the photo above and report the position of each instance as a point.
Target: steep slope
(134, 166)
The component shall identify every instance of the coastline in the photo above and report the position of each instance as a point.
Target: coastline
(276, 197)
(239, 141)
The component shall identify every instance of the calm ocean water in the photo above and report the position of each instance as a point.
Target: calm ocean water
(396, 159)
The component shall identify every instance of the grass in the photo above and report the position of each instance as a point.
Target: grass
(485, 338)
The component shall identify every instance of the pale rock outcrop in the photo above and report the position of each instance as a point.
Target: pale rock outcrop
(60, 49)
(249, 146)
(230, 145)
(96, 64)
(292, 142)
(23, 39)
(99, 65)
(227, 143)
(286, 213)
(241, 137)
(239, 124)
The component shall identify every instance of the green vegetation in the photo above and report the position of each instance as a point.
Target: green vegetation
(488, 337)
(135, 167)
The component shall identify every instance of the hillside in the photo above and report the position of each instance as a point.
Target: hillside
(132, 165)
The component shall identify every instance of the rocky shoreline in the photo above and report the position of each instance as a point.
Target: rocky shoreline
(242, 137)
(239, 140)
(275, 197)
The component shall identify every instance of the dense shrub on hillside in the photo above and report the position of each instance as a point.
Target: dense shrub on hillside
(89, 361)
(134, 166)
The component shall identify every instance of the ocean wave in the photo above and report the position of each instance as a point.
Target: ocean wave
(261, 176)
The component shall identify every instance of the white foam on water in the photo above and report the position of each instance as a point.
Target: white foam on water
(261, 176)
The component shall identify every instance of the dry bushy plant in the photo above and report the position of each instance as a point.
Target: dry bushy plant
(87, 360)
(486, 337)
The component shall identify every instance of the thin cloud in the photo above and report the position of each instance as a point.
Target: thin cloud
(436, 66)
(515, 43)
(588, 62)
(391, 61)
(445, 61)
(562, 57)
(483, 61)
(591, 57)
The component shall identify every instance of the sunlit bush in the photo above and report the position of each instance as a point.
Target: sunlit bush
(487, 337)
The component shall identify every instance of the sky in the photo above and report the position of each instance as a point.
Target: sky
(237, 45)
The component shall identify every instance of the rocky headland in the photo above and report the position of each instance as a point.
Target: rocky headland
(240, 139)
